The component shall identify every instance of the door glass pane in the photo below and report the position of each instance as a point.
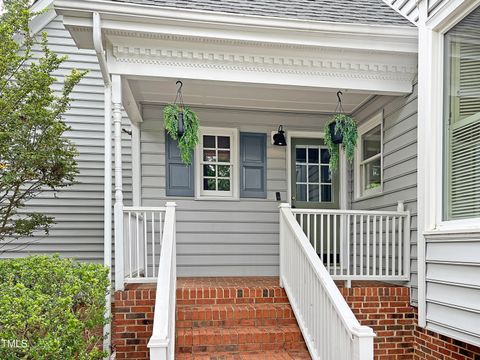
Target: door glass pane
(324, 156)
(208, 141)
(326, 176)
(301, 155)
(301, 173)
(313, 193)
(301, 192)
(371, 142)
(313, 173)
(313, 156)
(326, 193)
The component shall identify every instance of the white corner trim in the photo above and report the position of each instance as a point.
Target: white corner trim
(368, 125)
(136, 164)
(39, 22)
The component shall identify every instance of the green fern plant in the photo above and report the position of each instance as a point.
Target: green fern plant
(347, 126)
(189, 140)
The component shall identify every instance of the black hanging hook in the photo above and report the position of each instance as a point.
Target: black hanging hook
(181, 85)
(339, 92)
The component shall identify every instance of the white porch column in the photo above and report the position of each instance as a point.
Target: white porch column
(118, 207)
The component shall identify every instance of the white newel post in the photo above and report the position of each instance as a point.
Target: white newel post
(363, 343)
(118, 207)
(282, 240)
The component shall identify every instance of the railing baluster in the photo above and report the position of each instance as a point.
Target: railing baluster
(130, 241)
(328, 243)
(335, 244)
(361, 244)
(348, 244)
(315, 232)
(308, 228)
(145, 243)
(374, 246)
(322, 239)
(153, 244)
(380, 254)
(393, 245)
(387, 240)
(401, 219)
(367, 271)
(354, 270)
(138, 246)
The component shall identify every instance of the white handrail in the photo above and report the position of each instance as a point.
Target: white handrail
(329, 327)
(162, 342)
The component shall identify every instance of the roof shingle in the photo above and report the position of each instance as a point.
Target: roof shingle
(373, 12)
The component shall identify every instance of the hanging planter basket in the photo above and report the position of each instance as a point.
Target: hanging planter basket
(340, 130)
(182, 125)
(335, 134)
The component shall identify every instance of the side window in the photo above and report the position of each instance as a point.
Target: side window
(369, 158)
(462, 120)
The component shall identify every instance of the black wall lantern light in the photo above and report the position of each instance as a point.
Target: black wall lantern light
(279, 137)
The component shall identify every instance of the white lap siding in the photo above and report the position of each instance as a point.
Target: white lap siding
(399, 163)
(78, 210)
(221, 238)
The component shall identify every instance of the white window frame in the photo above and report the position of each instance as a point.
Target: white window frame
(373, 122)
(234, 192)
(430, 164)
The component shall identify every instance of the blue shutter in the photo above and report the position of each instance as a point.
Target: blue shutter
(180, 181)
(253, 165)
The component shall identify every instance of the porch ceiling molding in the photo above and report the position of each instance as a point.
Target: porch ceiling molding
(146, 41)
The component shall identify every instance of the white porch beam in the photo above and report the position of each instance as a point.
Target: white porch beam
(118, 207)
(132, 108)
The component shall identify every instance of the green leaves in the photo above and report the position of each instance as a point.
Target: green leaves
(189, 140)
(53, 308)
(347, 126)
(35, 156)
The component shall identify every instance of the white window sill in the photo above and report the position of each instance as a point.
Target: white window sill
(456, 227)
(370, 194)
(216, 198)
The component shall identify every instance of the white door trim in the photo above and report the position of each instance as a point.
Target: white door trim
(342, 165)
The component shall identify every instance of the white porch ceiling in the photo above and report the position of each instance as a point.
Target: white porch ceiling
(245, 95)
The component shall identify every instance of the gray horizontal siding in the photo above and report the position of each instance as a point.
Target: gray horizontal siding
(453, 285)
(221, 238)
(78, 210)
(399, 164)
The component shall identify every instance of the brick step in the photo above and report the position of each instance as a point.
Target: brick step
(230, 291)
(232, 339)
(234, 315)
(254, 355)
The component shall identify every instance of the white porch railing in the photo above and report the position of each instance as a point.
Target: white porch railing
(162, 342)
(360, 245)
(143, 231)
(328, 325)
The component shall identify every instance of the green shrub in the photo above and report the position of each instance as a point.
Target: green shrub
(51, 308)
